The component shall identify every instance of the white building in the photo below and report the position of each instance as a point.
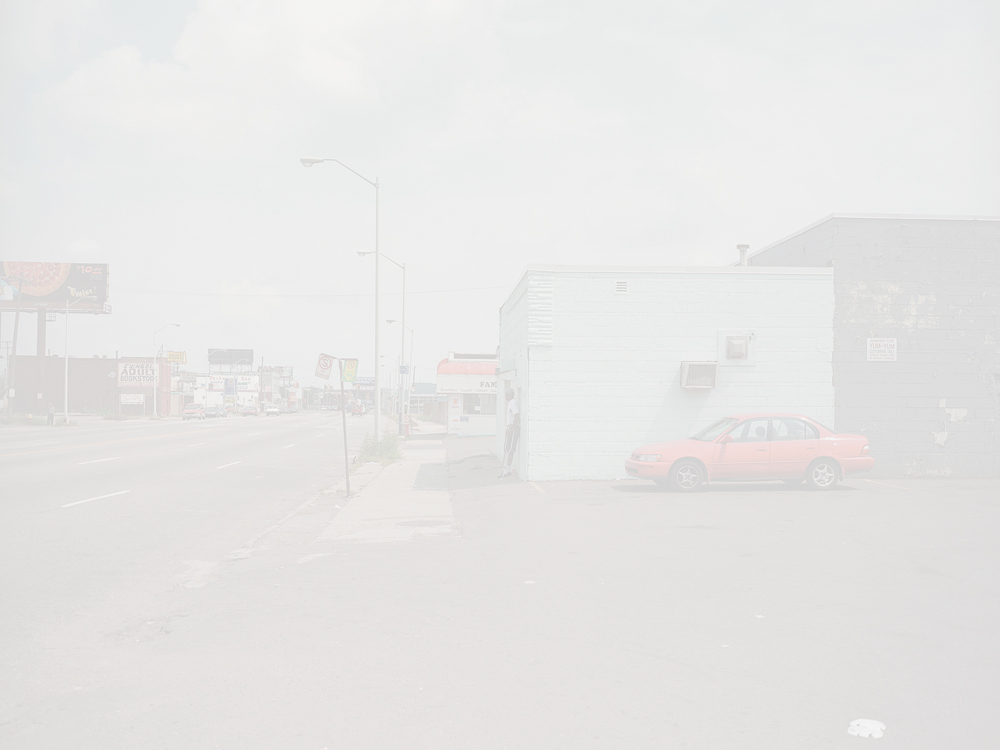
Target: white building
(469, 383)
(596, 357)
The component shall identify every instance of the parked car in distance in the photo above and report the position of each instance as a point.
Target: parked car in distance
(271, 410)
(193, 411)
(250, 411)
(359, 408)
(751, 447)
(293, 410)
(324, 407)
(216, 411)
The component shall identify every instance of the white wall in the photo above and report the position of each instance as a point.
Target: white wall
(599, 370)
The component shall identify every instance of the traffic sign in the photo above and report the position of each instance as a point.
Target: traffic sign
(404, 370)
(324, 366)
(349, 370)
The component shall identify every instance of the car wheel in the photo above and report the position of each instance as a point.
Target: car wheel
(686, 476)
(823, 474)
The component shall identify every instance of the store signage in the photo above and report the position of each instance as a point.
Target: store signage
(133, 399)
(881, 350)
(136, 373)
(180, 358)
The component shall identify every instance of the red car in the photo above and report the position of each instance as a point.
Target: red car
(754, 446)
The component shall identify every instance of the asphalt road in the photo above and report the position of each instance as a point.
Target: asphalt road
(563, 615)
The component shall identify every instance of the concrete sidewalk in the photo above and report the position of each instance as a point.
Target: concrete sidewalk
(391, 508)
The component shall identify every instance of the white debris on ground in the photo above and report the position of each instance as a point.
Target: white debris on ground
(866, 728)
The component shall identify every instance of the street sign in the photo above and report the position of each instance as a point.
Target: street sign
(324, 366)
(404, 370)
(180, 358)
(349, 370)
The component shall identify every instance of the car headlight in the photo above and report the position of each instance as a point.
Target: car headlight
(646, 456)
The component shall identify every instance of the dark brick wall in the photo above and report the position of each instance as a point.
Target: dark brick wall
(934, 285)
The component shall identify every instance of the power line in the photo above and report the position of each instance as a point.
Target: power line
(258, 295)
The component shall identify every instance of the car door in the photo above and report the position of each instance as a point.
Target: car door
(794, 444)
(747, 456)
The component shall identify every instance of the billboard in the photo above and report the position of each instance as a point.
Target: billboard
(180, 358)
(53, 286)
(230, 357)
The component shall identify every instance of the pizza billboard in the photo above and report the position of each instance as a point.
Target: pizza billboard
(53, 286)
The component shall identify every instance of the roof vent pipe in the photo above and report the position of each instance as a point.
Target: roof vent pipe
(743, 254)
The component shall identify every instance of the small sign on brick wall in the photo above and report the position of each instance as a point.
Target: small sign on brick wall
(881, 350)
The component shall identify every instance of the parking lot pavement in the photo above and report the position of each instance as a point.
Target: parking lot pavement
(560, 615)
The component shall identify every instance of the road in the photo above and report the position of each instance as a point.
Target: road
(522, 615)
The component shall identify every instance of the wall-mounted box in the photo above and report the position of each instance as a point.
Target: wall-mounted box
(737, 348)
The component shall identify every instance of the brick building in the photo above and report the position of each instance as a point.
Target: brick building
(916, 364)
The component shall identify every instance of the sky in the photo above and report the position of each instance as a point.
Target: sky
(164, 138)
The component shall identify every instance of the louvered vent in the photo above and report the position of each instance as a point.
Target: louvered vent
(621, 287)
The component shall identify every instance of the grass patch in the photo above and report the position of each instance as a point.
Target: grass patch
(385, 450)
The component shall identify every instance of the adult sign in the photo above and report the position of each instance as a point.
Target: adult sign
(52, 286)
(881, 350)
(136, 374)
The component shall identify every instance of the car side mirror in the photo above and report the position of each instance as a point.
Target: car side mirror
(726, 439)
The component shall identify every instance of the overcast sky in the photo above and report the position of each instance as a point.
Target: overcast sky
(163, 137)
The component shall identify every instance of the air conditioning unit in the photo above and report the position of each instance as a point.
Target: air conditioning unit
(699, 375)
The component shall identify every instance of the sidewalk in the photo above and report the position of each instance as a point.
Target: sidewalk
(395, 506)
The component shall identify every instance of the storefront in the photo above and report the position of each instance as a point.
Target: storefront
(469, 383)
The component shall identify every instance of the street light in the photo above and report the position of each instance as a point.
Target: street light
(378, 377)
(66, 372)
(402, 353)
(156, 368)
(402, 343)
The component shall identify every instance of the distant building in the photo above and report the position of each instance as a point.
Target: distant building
(604, 359)
(916, 363)
(469, 384)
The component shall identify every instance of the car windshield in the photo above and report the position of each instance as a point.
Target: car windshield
(715, 429)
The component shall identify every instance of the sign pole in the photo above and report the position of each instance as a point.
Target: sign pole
(343, 419)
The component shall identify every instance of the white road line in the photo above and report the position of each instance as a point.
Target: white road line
(195, 445)
(292, 445)
(894, 486)
(225, 465)
(254, 433)
(98, 460)
(321, 434)
(99, 497)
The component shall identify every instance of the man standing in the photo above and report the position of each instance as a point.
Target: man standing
(513, 432)
(52, 415)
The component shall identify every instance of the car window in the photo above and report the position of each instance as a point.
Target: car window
(750, 431)
(714, 430)
(811, 432)
(783, 428)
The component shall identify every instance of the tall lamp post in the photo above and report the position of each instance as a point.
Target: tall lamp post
(156, 367)
(378, 377)
(402, 354)
(66, 372)
(402, 345)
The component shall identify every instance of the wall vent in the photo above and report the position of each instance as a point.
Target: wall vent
(697, 375)
(621, 287)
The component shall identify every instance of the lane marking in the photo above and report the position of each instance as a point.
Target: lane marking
(538, 488)
(288, 446)
(89, 499)
(253, 433)
(195, 445)
(98, 460)
(225, 465)
(321, 434)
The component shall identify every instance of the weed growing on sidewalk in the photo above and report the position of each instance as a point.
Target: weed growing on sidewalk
(386, 450)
